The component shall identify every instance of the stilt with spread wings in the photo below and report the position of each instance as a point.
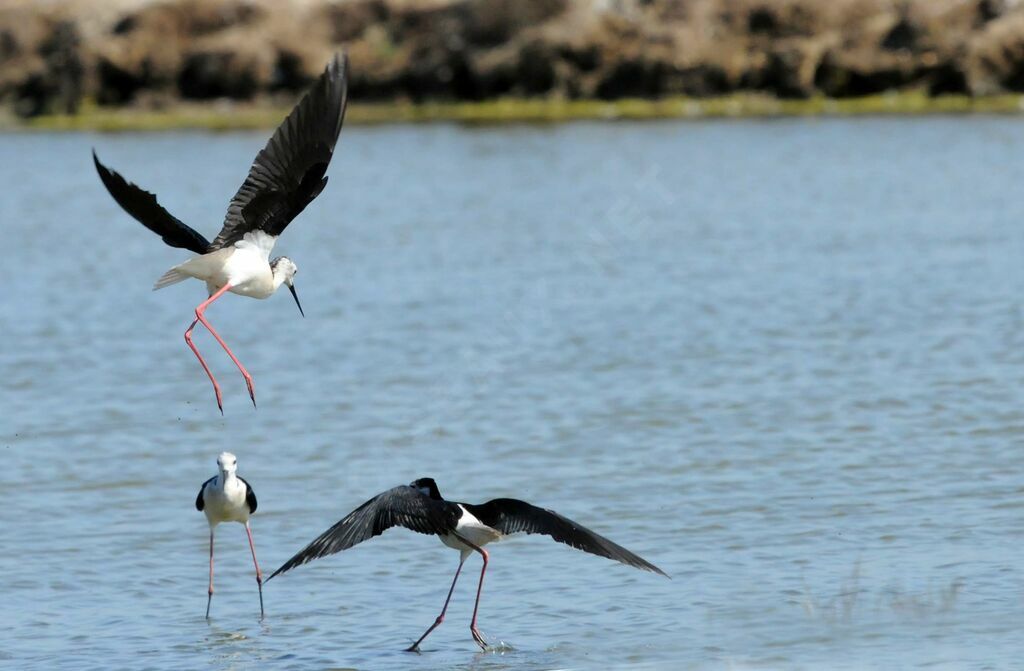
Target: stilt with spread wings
(420, 507)
(284, 178)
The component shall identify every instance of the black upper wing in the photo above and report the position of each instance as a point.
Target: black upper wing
(289, 172)
(200, 504)
(510, 516)
(250, 496)
(401, 506)
(142, 205)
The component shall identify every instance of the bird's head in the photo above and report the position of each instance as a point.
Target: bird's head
(227, 463)
(284, 270)
(428, 487)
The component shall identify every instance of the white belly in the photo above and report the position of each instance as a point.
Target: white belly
(473, 530)
(226, 504)
(247, 272)
(244, 266)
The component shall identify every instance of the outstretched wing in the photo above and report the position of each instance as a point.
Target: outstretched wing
(289, 172)
(510, 516)
(402, 506)
(200, 504)
(142, 205)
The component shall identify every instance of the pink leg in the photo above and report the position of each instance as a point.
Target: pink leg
(259, 574)
(415, 647)
(209, 594)
(472, 625)
(199, 315)
(216, 387)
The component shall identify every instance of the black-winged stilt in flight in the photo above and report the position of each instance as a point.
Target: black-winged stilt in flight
(226, 497)
(462, 526)
(284, 178)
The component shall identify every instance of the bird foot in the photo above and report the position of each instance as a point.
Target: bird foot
(478, 638)
(413, 648)
(252, 391)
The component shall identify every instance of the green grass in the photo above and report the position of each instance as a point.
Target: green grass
(229, 116)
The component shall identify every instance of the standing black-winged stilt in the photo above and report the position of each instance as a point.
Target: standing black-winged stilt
(463, 526)
(226, 497)
(284, 178)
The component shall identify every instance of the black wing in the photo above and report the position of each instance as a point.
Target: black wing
(289, 172)
(142, 205)
(510, 516)
(200, 504)
(250, 496)
(401, 506)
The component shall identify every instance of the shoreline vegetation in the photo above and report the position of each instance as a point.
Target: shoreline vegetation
(231, 115)
(226, 64)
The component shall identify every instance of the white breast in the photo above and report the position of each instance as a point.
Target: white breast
(245, 265)
(248, 272)
(225, 502)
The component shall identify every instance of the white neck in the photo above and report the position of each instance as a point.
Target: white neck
(278, 278)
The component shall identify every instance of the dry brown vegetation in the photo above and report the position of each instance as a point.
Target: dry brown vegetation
(153, 54)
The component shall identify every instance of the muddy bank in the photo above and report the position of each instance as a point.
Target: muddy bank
(153, 55)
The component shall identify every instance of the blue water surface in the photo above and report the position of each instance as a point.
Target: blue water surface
(782, 360)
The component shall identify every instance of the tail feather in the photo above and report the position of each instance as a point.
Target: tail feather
(172, 276)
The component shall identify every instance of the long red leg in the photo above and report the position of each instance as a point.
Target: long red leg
(259, 574)
(415, 647)
(216, 387)
(209, 593)
(472, 625)
(199, 315)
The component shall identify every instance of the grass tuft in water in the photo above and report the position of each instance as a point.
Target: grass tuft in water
(843, 606)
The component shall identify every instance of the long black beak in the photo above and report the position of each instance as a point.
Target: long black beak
(291, 288)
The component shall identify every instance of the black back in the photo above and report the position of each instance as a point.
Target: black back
(143, 206)
(404, 506)
(289, 172)
(510, 516)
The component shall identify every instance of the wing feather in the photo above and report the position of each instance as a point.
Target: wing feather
(289, 172)
(143, 206)
(250, 496)
(200, 503)
(510, 516)
(403, 506)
